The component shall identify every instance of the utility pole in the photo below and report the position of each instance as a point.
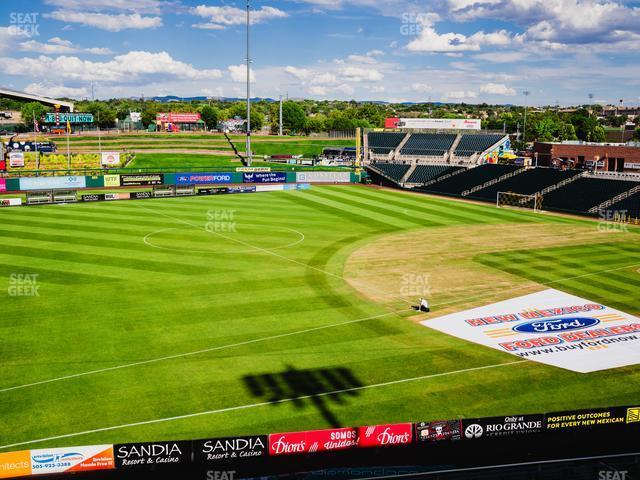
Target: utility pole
(280, 132)
(526, 106)
(248, 149)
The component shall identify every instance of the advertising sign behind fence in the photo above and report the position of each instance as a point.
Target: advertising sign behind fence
(10, 202)
(242, 189)
(230, 449)
(385, 435)
(15, 464)
(323, 177)
(312, 441)
(129, 180)
(16, 159)
(110, 159)
(264, 177)
(438, 431)
(551, 327)
(144, 454)
(203, 178)
(46, 183)
(597, 417)
(72, 459)
(111, 180)
(502, 426)
(3, 185)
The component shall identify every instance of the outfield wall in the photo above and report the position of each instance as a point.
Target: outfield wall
(78, 182)
(422, 443)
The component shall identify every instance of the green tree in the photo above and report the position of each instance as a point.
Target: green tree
(293, 117)
(29, 110)
(317, 123)
(209, 116)
(103, 114)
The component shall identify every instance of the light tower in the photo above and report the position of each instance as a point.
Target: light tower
(248, 149)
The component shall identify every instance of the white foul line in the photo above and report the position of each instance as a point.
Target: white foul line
(197, 352)
(261, 404)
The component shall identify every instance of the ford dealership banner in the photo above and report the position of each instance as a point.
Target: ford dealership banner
(203, 178)
(551, 327)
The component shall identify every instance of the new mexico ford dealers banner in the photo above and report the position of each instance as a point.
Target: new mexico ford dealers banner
(323, 177)
(551, 327)
(46, 183)
(264, 177)
(203, 178)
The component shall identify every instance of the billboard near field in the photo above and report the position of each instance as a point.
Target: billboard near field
(130, 180)
(16, 159)
(3, 184)
(110, 159)
(390, 435)
(592, 418)
(551, 327)
(111, 180)
(60, 118)
(499, 427)
(434, 123)
(72, 459)
(177, 117)
(10, 202)
(312, 441)
(438, 431)
(132, 455)
(264, 177)
(230, 449)
(323, 177)
(213, 178)
(47, 183)
(15, 464)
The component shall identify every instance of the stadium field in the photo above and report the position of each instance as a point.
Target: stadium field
(244, 314)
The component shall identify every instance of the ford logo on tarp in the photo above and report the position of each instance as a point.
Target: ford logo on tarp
(556, 325)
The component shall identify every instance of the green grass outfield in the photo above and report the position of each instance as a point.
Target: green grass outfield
(263, 300)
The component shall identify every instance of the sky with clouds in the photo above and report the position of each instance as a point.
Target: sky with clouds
(395, 50)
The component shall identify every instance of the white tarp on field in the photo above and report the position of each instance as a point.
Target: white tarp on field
(551, 327)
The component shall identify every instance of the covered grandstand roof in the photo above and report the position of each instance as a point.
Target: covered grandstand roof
(17, 95)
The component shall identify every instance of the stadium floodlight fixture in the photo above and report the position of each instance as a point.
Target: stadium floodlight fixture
(248, 148)
(526, 94)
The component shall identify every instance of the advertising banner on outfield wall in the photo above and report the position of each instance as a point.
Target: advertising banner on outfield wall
(110, 159)
(15, 464)
(111, 180)
(551, 327)
(10, 202)
(230, 449)
(594, 418)
(312, 441)
(242, 189)
(481, 428)
(203, 178)
(438, 431)
(323, 177)
(385, 435)
(131, 455)
(16, 159)
(72, 459)
(138, 195)
(3, 185)
(47, 183)
(130, 180)
(264, 177)
(93, 197)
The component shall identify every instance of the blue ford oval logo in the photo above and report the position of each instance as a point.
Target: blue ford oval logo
(556, 325)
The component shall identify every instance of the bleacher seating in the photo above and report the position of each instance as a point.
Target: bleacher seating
(630, 206)
(393, 170)
(426, 173)
(428, 144)
(526, 183)
(382, 143)
(585, 193)
(474, 143)
(461, 182)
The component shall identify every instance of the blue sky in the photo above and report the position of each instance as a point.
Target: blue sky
(443, 50)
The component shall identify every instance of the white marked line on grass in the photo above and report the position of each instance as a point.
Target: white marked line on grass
(196, 352)
(262, 404)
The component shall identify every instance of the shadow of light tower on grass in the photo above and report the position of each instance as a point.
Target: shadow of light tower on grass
(317, 387)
